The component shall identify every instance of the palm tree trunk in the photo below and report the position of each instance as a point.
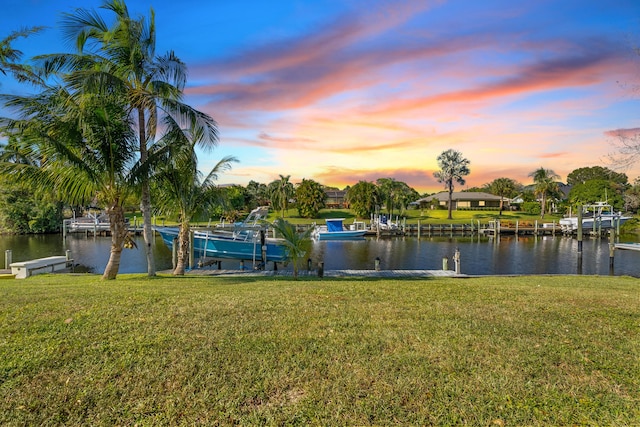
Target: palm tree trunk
(119, 232)
(145, 199)
(450, 199)
(183, 249)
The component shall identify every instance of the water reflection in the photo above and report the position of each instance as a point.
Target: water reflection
(479, 254)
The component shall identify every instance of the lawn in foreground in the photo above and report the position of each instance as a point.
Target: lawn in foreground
(201, 350)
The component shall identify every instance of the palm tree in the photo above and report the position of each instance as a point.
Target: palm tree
(80, 146)
(296, 243)
(9, 56)
(182, 191)
(281, 191)
(544, 185)
(124, 59)
(453, 167)
(503, 187)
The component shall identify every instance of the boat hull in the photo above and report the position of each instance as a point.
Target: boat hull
(228, 245)
(340, 235)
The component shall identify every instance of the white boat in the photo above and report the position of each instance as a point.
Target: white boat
(597, 216)
(335, 230)
(628, 246)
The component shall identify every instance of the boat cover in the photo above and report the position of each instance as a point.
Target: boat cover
(334, 225)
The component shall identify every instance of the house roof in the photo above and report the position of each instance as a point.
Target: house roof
(457, 196)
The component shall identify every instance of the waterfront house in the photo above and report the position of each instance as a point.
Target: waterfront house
(463, 200)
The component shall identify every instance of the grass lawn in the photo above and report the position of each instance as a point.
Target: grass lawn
(254, 351)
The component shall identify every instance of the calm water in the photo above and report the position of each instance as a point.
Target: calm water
(479, 255)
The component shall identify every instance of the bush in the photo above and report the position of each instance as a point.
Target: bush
(531, 208)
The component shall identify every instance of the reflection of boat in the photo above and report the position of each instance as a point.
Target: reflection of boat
(594, 217)
(247, 241)
(334, 230)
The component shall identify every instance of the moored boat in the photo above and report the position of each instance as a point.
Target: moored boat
(597, 216)
(247, 240)
(335, 230)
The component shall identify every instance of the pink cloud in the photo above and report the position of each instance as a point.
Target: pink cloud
(624, 133)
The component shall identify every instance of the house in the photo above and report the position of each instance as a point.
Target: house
(336, 199)
(464, 200)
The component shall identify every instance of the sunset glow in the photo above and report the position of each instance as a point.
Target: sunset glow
(342, 91)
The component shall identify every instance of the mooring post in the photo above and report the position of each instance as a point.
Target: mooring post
(612, 248)
(308, 264)
(377, 263)
(456, 260)
(8, 255)
(445, 263)
(579, 239)
(418, 229)
(241, 264)
(321, 269)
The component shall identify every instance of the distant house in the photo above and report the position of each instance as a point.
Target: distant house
(464, 200)
(336, 199)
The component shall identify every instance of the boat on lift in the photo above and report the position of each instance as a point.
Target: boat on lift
(247, 241)
(596, 216)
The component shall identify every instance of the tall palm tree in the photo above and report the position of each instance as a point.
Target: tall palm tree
(181, 190)
(80, 146)
(453, 167)
(123, 58)
(281, 191)
(545, 184)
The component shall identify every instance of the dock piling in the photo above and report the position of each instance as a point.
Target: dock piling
(8, 255)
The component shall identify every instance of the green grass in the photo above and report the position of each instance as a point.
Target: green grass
(251, 351)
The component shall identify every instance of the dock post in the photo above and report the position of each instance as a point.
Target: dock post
(612, 248)
(376, 263)
(321, 269)
(241, 264)
(535, 230)
(579, 239)
(456, 260)
(418, 229)
(517, 226)
(445, 263)
(308, 264)
(64, 229)
(8, 255)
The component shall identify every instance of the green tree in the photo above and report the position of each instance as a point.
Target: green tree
(395, 194)
(503, 187)
(10, 57)
(297, 243)
(363, 198)
(545, 185)
(182, 190)
(582, 175)
(453, 168)
(85, 149)
(597, 190)
(124, 60)
(280, 192)
(310, 198)
(258, 194)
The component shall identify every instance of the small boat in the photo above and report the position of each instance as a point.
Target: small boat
(247, 241)
(628, 246)
(597, 216)
(334, 230)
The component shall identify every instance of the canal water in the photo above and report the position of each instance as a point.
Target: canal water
(479, 255)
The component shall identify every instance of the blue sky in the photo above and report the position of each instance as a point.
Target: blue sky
(342, 91)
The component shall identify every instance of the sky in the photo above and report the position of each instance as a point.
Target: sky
(351, 90)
